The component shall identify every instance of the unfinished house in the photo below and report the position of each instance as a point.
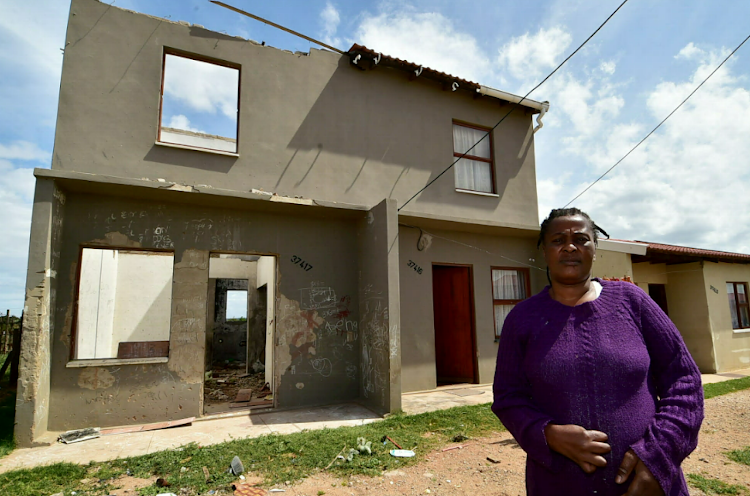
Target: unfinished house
(220, 211)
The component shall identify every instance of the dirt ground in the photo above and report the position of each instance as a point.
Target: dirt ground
(467, 470)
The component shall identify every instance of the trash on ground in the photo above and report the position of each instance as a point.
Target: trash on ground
(384, 439)
(148, 427)
(493, 460)
(364, 446)
(162, 482)
(402, 453)
(236, 466)
(452, 448)
(243, 489)
(460, 437)
(79, 435)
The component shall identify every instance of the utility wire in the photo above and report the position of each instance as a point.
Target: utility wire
(658, 125)
(516, 105)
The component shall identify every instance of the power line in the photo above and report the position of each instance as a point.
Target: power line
(658, 125)
(516, 105)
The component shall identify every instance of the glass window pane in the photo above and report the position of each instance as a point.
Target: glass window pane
(501, 311)
(741, 296)
(733, 311)
(508, 284)
(464, 137)
(730, 289)
(473, 175)
(745, 317)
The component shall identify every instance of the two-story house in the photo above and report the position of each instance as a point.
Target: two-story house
(149, 219)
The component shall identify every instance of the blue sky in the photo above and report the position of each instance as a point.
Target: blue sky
(687, 185)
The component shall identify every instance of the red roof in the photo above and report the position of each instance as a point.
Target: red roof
(654, 250)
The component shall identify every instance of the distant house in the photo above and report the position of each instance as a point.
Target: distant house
(704, 292)
(152, 218)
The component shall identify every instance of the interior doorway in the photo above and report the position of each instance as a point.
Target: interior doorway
(658, 293)
(239, 333)
(455, 340)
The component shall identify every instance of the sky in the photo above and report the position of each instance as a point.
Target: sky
(688, 184)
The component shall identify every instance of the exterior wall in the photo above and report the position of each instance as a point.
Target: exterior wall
(417, 320)
(310, 125)
(311, 359)
(379, 309)
(612, 264)
(688, 309)
(267, 276)
(646, 273)
(732, 347)
(39, 329)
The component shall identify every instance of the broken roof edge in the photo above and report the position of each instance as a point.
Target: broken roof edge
(200, 189)
(374, 59)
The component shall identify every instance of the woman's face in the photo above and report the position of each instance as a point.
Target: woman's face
(569, 249)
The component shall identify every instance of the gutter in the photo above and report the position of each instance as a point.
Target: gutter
(542, 107)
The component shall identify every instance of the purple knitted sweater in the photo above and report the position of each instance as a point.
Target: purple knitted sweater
(617, 365)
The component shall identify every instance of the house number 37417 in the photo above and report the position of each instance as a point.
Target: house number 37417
(298, 261)
(414, 266)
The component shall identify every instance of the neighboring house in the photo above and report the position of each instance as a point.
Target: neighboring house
(152, 214)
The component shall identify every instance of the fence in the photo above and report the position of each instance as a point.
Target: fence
(10, 343)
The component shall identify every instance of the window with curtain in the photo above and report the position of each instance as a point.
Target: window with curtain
(509, 286)
(474, 172)
(738, 305)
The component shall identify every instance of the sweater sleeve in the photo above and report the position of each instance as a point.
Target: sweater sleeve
(673, 433)
(513, 403)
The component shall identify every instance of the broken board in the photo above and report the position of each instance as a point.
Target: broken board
(148, 427)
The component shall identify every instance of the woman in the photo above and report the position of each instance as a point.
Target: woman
(593, 379)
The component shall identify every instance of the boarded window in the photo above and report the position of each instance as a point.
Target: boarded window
(509, 286)
(199, 103)
(124, 304)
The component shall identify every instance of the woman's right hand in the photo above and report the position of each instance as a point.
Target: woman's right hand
(583, 446)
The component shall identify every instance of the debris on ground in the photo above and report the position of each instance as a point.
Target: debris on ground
(230, 383)
(78, 435)
(384, 440)
(236, 466)
(402, 453)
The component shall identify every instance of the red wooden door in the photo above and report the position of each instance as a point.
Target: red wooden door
(453, 307)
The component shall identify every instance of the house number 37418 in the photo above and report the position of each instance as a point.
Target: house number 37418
(298, 261)
(414, 266)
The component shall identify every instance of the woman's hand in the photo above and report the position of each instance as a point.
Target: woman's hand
(580, 445)
(644, 483)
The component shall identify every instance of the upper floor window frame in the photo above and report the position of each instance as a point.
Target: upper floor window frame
(209, 60)
(470, 156)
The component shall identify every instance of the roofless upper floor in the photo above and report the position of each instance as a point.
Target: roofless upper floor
(143, 97)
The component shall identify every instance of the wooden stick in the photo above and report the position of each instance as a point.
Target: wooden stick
(334, 458)
(394, 442)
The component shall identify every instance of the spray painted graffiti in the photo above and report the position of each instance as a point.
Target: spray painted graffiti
(322, 366)
(317, 297)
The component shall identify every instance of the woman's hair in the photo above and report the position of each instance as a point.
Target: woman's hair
(568, 212)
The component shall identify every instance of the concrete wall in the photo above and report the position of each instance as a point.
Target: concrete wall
(310, 125)
(379, 309)
(732, 346)
(267, 277)
(313, 360)
(612, 264)
(646, 273)
(688, 309)
(417, 320)
(40, 312)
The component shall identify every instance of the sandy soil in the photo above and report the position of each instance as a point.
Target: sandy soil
(468, 471)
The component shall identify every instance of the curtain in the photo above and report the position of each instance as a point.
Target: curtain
(508, 284)
(501, 311)
(472, 174)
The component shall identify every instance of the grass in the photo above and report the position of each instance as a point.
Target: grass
(713, 486)
(726, 387)
(278, 458)
(740, 455)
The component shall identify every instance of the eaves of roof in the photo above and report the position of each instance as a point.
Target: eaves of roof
(365, 58)
(661, 253)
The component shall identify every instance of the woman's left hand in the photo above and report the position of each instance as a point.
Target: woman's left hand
(644, 483)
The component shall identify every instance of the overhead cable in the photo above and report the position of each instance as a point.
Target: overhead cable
(658, 125)
(516, 105)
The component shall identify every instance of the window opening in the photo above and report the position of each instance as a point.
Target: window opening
(738, 305)
(199, 103)
(124, 304)
(509, 286)
(474, 172)
(236, 306)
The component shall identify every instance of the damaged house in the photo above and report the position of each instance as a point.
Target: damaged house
(153, 223)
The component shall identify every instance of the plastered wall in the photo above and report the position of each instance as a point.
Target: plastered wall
(417, 321)
(612, 264)
(310, 125)
(732, 346)
(317, 361)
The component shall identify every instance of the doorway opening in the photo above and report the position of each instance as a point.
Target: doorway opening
(455, 338)
(239, 333)
(658, 293)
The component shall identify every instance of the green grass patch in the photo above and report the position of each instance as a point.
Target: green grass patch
(740, 455)
(277, 458)
(713, 486)
(726, 387)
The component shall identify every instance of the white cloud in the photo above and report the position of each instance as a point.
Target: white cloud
(608, 67)
(429, 39)
(330, 19)
(687, 184)
(203, 87)
(23, 150)
(182, 122)
(530, 56)
(690, 51)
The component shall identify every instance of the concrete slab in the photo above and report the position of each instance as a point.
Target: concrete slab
(239, 426)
